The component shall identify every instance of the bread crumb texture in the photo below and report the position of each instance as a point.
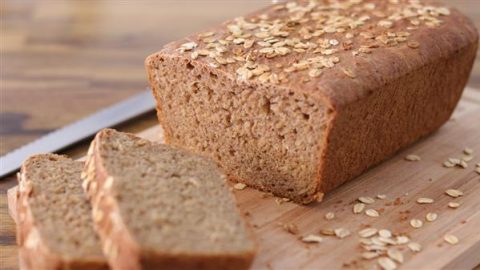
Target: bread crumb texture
(60, 210)
(170, 200)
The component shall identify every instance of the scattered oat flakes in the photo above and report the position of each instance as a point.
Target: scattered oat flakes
(477, 170)
(454, 161)
(387, 241)
(370, 255)
(453, 205)
(424, 200)
(412, 158)
(377, 241)
(315, 72)
(239, 186)
(467, 158)
(312, 238)
(416, 223)
(342, 233)
(328, 232)
(395, 255)
(381, 196)
(385, 233)
(248, 43)
(463, 164)
(368, 232)
(415, 247)
(349, 73)
(329, 216)
(374, 247)
(402, 239)
(291, 228)
(454, 193)
(413, 44)
(385, 24)
(280, 201)
(188, 46)
(366, 241)
(468, 151)
(372, 213)
(443, 11)
(366, 200)
(448, 164)
(431, 217)
(387, 263)
(358, 208)
(451, 239)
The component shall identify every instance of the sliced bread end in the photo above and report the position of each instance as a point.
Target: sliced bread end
(159, 207)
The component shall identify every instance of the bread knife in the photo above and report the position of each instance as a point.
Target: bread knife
(61, 138)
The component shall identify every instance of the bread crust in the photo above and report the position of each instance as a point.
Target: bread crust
(34, 252)
(12, 197)
(397, 96)
(120, 247)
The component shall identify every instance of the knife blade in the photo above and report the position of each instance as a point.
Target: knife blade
(77, 131)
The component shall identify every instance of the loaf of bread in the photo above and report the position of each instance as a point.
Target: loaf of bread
(53, 216)
(156, 207)
(302, 96)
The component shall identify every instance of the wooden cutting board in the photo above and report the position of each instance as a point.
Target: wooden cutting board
(402, 182)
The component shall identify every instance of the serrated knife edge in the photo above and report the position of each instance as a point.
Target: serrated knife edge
(77, 131)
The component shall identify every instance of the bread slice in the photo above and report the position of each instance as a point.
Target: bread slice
(156, 207)
(302, 96)
(53, 215)
(12, 197)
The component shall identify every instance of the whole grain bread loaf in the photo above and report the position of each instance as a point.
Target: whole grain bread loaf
(156, 207)
(53, 216)
(302, 96)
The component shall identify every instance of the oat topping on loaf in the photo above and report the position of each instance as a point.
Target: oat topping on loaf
(318, 35)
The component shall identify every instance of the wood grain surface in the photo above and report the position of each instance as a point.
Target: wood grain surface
(61, 60)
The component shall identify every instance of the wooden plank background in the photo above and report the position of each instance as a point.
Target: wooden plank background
(64, 59)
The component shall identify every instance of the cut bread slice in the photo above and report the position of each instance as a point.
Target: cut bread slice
(156, 207)
(12, 196)
(53, 215)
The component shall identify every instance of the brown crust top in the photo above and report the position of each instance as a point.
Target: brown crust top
(339, 50)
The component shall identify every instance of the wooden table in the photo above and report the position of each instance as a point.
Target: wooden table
(62, 60)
